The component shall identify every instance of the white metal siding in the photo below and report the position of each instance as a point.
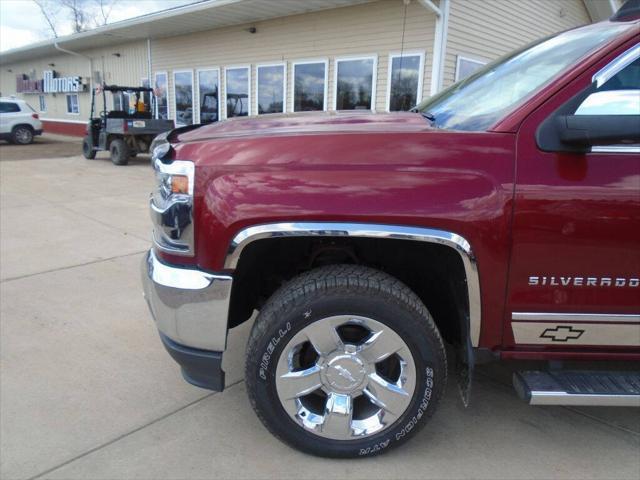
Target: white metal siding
(127, 69)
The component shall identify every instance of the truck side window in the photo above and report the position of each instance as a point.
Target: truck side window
(620, 95)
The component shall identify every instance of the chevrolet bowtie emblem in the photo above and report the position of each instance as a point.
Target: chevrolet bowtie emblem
(562, 333)
(344, 373)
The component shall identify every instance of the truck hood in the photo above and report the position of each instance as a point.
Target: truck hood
(305, 123)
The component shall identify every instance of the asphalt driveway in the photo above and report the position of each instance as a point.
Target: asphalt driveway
(87, 391)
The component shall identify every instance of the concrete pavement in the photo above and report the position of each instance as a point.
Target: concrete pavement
(87, 391)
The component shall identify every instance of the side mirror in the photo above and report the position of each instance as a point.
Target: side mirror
(594, 130)
(603, 118)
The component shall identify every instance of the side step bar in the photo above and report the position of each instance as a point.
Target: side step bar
(585, 388)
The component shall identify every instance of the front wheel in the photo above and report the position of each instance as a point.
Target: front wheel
(345, 361)
(87, 148)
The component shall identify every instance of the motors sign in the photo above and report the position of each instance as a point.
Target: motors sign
(50, 83)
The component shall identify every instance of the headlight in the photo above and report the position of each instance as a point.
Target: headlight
(172, 207)
(174, 178)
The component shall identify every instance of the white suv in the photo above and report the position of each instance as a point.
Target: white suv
(19, 122)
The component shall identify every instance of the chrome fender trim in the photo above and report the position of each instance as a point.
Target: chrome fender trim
(368, 230)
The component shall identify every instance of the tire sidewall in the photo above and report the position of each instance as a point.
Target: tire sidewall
(16, 138)
(87, 149)
(119, 153)
(430, 371)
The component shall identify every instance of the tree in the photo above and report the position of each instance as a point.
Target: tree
(81, 14)
(106, 6)
(48, 14)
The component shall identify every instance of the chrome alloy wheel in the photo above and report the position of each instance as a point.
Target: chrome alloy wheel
(346, 377)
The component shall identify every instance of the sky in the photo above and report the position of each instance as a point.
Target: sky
(21, 22)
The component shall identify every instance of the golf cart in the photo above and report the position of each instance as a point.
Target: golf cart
(209, 107)
(128, 128)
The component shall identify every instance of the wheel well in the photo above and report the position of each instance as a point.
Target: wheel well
(22, 125)
(434, 272)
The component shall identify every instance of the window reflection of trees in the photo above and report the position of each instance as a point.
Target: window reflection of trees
(405, 73)
(354, 84)
(237, 92)
(270, 89)
(160, 91)
(184, 98)
(309, 85)
(209, 94)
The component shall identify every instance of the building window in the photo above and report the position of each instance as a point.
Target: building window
(466, 66)
(146, 96)
(183, 96)
(72, 104)
(404, 85)
(355, 83)
(271, 88)
(120, 101)
(237, 99)
(310, 86)
(42, 101)
(208, 95)
(160, 92)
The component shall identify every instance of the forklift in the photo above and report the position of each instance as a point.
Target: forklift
(124, 131)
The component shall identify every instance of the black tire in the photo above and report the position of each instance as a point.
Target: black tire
(22, 135)
(344, 290)
(87, 148)
(119, 152)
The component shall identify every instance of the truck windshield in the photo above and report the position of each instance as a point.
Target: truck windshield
(479, 101)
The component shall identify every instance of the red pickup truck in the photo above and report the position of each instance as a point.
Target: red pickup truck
(500, 218)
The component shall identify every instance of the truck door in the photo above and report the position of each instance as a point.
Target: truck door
(575, 262)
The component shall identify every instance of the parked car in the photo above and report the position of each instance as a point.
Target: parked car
(500, 217)
(19, 122)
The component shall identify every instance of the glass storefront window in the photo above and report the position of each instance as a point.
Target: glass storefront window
(208, 95)
(146, 97)
(355, 83)
(271, 88)
(309, 86)
(160, 92)
(183, 96)
(467, 66)
(405, 81)
(237, 91)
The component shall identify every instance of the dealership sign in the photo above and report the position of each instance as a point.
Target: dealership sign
(50, 83)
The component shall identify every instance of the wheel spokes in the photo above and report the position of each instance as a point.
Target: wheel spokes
(386, 395)
(297, 384)
(380, 345)
(324, 338)
(338, 415)
(345, 368)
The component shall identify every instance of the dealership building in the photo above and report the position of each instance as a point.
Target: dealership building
(222, 58)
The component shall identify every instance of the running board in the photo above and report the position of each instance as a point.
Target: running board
(574, 387)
